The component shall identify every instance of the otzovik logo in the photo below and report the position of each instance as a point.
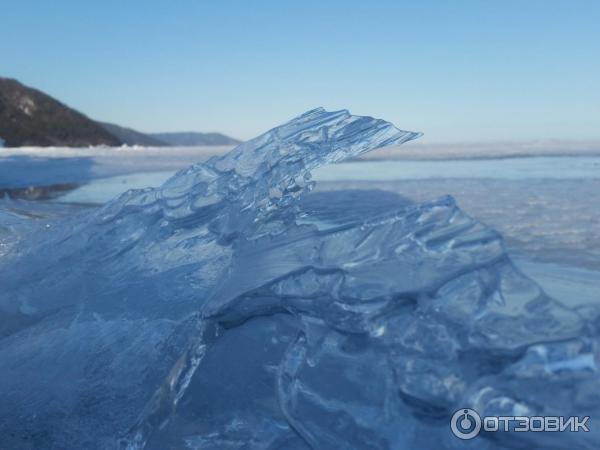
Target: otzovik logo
(467, 423)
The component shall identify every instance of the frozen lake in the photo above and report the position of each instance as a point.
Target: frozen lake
(554, 168)
(547, 208)
(538, 168)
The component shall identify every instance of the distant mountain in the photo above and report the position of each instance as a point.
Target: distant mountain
(129, 136)
(30, 117)
(186, 139)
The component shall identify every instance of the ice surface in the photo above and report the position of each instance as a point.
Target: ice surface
(230, 308)
(546, 220)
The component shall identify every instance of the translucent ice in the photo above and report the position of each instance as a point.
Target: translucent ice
(231, 308)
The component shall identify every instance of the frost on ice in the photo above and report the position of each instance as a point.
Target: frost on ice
(231, 308)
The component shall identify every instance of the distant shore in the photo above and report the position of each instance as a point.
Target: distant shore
(422, 150)
(416, 150)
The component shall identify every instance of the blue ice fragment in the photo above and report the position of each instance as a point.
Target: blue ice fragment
(232, 308)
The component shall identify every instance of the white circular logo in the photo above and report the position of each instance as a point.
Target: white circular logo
(465, 424)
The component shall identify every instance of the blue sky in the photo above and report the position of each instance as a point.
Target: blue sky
(456, 70)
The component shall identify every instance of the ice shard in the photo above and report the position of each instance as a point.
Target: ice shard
(233, 309)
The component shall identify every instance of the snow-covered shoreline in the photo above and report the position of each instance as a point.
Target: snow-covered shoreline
(42, 166)
(424, 150)
(149, 156)
(415, 150)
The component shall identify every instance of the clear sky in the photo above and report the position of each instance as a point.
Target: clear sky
(456, 70)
